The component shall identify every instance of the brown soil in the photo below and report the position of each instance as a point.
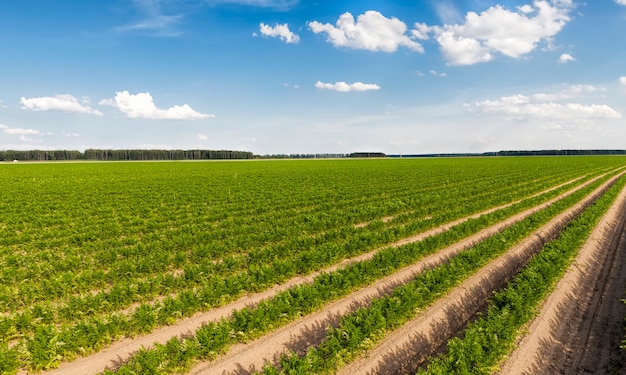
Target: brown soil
(406, 349)
(290, 337)
(580, 326)
(310, 330)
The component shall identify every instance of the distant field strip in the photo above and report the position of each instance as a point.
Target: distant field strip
(96, 255)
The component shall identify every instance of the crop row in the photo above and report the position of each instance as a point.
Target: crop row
(250, 323)
(193, 276)
(486, 341)
(360, 330)
(65, 237)
(119, 256)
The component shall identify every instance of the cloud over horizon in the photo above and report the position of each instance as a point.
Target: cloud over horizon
(142, 106)
(346, 87)
(62, 102)
(549, 107)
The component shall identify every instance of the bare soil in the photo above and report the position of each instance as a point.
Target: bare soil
(300, 334)
(580, 326)
(457, 307)
(406, 349)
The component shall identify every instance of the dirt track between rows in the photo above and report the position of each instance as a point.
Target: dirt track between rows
(436, 324)
(405, 350)
(580, 326)
(289, 336)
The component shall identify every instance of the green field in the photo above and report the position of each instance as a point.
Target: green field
(93, 252)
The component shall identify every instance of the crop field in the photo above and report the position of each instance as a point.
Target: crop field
(382, 266)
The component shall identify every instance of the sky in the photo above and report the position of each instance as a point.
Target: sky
(321, 76)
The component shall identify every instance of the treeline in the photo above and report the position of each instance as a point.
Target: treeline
(104, 154)
(301, 156)
(516, 153)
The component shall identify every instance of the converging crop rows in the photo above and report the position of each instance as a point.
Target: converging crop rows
(299, 267)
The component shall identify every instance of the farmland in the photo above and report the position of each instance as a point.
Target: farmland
(296, 266)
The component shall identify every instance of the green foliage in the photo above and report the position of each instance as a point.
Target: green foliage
(346, 341)
(80, 243)
(489, 339)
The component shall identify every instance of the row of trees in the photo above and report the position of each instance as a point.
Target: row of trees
(104, 154)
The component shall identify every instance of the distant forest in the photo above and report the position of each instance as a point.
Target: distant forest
(97, 154)
(109, 154)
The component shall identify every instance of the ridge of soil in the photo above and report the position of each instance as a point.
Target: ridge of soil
(310, 330)
(581, 324)
(406, 348)
(122, 349)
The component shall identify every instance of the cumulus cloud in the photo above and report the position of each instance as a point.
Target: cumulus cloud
(346, 87)
(63, 102)
(142, 106)
(203, 137)
(521, 107)
(371, 31)
(23, 134)
(621, 2)
(566, 57)
(571, 92)
(279, 31)
(499, 30)
(435, 73)
(622, 80)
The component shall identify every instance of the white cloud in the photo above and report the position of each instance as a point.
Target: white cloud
(71, 134)
(621, 2)
(142, 106)
(421, 31)
(435, 73)
(566, 57)
(2, 105)
(372, 31)
(511, 33)
(622, 80)
(21, 131)
(346, 87)
(279, 31)
(203, 137)
(64, 102)
(23, 134)
(571, 92)
(521, 107)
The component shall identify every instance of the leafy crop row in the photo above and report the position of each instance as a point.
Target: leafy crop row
(86, 248)
(487, 340)
(249, 323)
(360, 330)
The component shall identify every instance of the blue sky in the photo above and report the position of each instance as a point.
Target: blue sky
(295, 76)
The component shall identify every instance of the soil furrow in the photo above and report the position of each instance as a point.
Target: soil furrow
(309, 330)
(580, 325)
(406, 348)
(121, 350)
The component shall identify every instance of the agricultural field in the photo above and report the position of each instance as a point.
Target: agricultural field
(383, 266)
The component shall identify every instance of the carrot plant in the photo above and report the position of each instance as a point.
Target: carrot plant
(487, 340)
(250, 323)
(361, 329)
(86, 248)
